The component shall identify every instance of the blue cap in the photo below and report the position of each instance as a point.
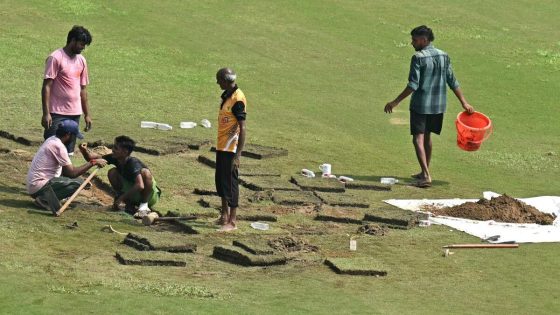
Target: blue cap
(71, 126)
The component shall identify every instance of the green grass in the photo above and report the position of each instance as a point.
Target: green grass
(316, 75)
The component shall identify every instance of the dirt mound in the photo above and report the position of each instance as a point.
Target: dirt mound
(499, 209)
(290, 244)
(374, 229)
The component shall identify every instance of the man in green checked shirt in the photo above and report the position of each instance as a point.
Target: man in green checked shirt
(430, 71)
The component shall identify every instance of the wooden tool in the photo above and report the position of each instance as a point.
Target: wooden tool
(67, 203)
(152, 217)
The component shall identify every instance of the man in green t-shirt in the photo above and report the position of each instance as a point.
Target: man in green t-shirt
(131, 179)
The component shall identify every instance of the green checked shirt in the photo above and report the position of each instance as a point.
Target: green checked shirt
(430, 70)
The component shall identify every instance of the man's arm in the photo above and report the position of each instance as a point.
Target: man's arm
(46, 120)
(85, 107)
(73, 172)
(240, 142)
(404, 94)
(466, 106)
(87, 154)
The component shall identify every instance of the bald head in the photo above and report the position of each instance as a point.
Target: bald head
(225, 77)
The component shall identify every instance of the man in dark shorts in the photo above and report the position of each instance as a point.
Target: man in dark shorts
(131, 179)
(430, 70)
(231, 138)
(52, 177)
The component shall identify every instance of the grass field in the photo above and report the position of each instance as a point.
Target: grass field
(317, 75)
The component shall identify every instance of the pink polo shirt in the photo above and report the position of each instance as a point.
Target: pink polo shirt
(46, 164)
(69, 74)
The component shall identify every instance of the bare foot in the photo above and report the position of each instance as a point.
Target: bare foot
(228, 227)
(417, 176)
(221, 221)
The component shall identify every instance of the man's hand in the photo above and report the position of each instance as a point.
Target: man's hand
(117, 204)
(83, 148)
(46, 121)
(468, 108)
(389, 107)
(87, 119)
(235, 162)
(100, 163)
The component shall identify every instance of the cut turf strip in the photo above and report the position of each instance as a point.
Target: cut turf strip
(239, 256)
(341, 200)
(318, 184)
(394, 218)
(160, 242)
(254, 247)
(340, 215)
(295, 198)
(20, 140)
(367, 185)
(356, 266)
(261, 183)
(150, 258)
(260, 152)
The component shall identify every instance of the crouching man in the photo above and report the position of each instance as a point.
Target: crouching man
(131, 180)
(44, 180)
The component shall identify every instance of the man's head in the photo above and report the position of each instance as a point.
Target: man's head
(226, 78)
(422, 36)
(123, 147)
(78, 38)
(66, 129)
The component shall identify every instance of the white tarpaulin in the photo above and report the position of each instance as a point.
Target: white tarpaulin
(499, 232)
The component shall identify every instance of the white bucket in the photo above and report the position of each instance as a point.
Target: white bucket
(325, 168)
(187, 124)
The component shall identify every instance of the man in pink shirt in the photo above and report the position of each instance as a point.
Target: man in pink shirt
(44, 180)
(64, 94)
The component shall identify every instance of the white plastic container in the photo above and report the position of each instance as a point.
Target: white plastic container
(260, 226)
(148, 124)
(163, 126)
(307, 173)
(325, 168)
(205, 123)
(345, 179)
(389, 180)
(353, 245)
(155, 125)
(187, 124)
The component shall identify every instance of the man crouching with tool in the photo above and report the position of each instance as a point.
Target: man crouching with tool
(131, 179)
(52, 176)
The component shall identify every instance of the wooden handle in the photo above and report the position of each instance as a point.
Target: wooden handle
(482, 246)
(67, 203)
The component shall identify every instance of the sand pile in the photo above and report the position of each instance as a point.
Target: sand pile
(499, 209)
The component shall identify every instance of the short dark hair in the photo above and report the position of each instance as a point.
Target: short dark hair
(79, 34)
(125, 143)
(423, 30)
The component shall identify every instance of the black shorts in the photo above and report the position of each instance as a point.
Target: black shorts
(425, 123)
(227, 178)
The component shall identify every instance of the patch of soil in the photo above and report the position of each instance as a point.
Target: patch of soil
(290, 244)
(374, 229)
(500, 209)
(277, 209)
(97, 196)
(259, 196)
(101, 150)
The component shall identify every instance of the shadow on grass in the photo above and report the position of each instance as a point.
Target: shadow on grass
(17, 203)
(12, 190)
(402, 180)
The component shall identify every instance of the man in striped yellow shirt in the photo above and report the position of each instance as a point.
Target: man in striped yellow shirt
(231, 138)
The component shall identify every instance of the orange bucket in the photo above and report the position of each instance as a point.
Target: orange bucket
(472, 130)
